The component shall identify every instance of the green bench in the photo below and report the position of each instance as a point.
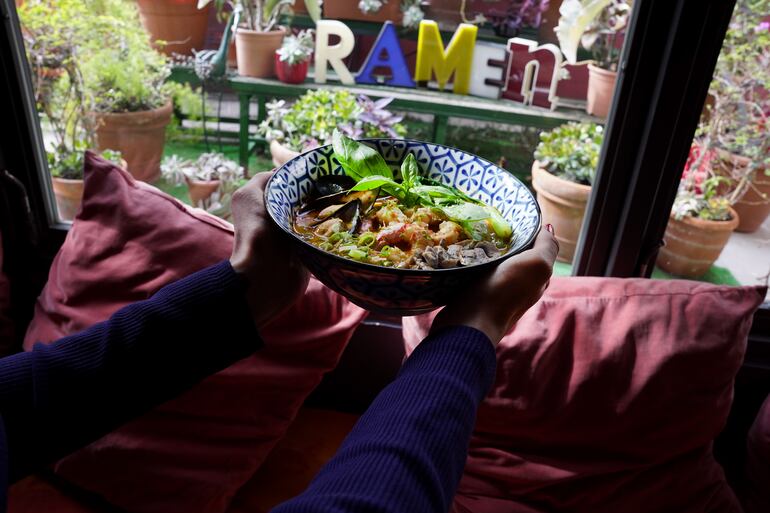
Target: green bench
(440, 105)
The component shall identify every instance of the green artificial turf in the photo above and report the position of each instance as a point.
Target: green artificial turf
(715, 275)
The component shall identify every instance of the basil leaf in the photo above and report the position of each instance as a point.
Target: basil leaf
(410, 173)
(358, 160)
(370, 182)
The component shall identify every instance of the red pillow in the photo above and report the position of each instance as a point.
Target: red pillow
(608, 395)
(193, 453)
(757, 495)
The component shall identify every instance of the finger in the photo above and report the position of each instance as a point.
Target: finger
(546, 246)
(260, 179)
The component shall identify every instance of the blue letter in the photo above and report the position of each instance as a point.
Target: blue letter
(387, 42)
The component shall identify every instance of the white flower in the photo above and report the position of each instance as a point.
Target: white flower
(413, 15)
(370, 6)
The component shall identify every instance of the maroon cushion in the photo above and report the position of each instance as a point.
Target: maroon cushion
(757, 495)
(608, 395)
(193, 453)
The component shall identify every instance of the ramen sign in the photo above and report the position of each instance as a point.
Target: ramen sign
(521, 70)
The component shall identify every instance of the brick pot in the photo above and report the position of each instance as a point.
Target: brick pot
(255, 50)
(563, 204)
(601, 87)
(200, 190)
(177, 22)
(138, 136)
(69, 195)
(693, 245)
(754, 206)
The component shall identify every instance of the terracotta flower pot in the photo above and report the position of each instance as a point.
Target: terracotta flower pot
(693, 245)
(138, 136)
(601, 86)
(201, 190)
(563, 204)
(348, 10)
(255, 50)
(281, 154)
(179, 23)
(754, 206)
(290, 73)
(69, 195)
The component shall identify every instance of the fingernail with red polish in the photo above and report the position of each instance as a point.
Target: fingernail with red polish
(549, 227)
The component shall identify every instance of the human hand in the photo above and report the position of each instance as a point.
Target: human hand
(494, 304)
(263, 256)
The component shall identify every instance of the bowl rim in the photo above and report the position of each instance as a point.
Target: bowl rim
(397, 270)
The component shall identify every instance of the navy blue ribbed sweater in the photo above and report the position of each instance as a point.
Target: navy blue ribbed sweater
(405, 454)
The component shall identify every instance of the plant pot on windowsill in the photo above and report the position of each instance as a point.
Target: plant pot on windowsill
(200, 190)
(754, 206)
(255, 50)
(69, 195)
(280, 153)
(693, 244)
(290, 73)
(563, 204)
(138, 136)
(601, 86)
(179, 23)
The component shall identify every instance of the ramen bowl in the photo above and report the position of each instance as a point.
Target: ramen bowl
(388, 289)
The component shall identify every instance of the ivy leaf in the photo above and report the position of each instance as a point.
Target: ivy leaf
(358, 160)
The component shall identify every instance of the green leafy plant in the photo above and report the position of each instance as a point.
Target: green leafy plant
(311, 120)
(208, 166)
(297, 48)
(365, 165)
(702, 189)
(571, 151)
(264, 15)
(594, 24)
(736, 119)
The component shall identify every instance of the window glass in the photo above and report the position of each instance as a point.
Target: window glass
(719, 228)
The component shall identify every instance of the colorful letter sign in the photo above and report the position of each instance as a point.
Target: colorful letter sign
(534, 74)
(333, 54)
(457, 58)
(386, 53)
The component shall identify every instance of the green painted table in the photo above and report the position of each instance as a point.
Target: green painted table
(439, 104)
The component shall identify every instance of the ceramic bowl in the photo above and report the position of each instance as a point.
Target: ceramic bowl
(402, 291)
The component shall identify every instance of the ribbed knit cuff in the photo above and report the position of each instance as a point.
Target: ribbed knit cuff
(461, 351)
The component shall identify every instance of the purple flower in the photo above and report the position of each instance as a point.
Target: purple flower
(765, 25)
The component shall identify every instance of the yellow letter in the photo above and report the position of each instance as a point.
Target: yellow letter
(457, 59)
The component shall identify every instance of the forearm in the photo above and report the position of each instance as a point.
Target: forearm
(408, 451)
(61, 396)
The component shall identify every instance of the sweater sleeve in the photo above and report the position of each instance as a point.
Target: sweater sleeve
(59, 397)
(408, 451)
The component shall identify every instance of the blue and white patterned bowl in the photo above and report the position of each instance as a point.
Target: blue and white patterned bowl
(402, 291)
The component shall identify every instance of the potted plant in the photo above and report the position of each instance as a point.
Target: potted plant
(209, 173)
(598, 26)
(175, 26)
(293, 57)
(311, 120)
(258, 35)
(701, 219)
(61, 95)
(407, 13)
(736, 117)
(562, 175)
